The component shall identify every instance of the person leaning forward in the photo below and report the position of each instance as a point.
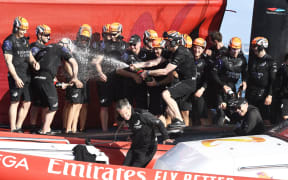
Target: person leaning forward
(144, 141)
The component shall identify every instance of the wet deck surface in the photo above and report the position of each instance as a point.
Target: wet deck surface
(180, 135)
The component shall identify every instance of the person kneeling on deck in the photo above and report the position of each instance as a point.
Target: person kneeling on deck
(251, 122)
(144, 140)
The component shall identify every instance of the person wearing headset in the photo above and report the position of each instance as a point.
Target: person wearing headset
(19, 58)
(148, 37)
(43, 32)
(226, 73)
(111, 50)
(262, 69)
(79, 97)
(182, 61)
(50, 58)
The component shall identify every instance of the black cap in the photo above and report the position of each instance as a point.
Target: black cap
(134, 39)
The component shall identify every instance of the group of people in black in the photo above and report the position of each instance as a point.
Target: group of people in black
(174, 77)
(171, 81)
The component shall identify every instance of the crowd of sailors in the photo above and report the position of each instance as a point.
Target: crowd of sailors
(177, 79)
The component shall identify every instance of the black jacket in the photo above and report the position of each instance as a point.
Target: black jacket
(143, 123)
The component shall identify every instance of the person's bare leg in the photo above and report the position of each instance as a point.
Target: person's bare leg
(66, 110)
(104, 117)
(83, 117)
(23, 111)
(71, 115)
(172, 105)
(13, 114)
(49, 116)
(76, 118)
(34, 112)
(163, 119)
(185, 115)
(43, 115)
(205, 122)
(168, 116)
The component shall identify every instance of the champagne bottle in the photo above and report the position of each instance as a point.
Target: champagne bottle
(58, 84)
(140, 71)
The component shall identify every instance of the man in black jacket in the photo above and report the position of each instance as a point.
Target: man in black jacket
(182, 61)
(262, 70)
(144, 140)
(19, 59)
(50, 59)
(251, 121)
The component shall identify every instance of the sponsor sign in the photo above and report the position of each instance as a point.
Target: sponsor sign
(25, 167)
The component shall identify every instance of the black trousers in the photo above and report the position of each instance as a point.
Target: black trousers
(140, 157)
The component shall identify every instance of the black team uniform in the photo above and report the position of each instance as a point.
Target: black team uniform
(36, 47)
(19, 48)
(227, 71)
(251, 123)
(211, 91)
(83, 56)
(49, 59)
(111, 90)
(218, 53)
(199, 106)
(261, 75)
(281, 93)
(137, 93)
(144, 141)
(186, 70)
(157, 105)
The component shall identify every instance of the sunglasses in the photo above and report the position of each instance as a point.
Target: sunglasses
(20, 29)
(83, 38)
(114, 34)
(132, 44)
(234, 49)
(46, 35)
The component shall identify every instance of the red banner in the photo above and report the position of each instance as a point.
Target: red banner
(17, 166)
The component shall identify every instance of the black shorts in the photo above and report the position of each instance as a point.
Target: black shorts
(182, 89)
(157, 104)
(184, 104)
(284, 107)
(105, 93)
(46, 93)
(78, 95)
(199, 107)
(17, 93)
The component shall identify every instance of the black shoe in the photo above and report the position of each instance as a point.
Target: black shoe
(18, 130)
(63, 131)
(51, 132)
(34, 131)
(176, 123)
(71, 132)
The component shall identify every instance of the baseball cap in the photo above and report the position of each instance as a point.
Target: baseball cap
(134, 39)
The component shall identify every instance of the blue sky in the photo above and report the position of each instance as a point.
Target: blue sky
(239, 23)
